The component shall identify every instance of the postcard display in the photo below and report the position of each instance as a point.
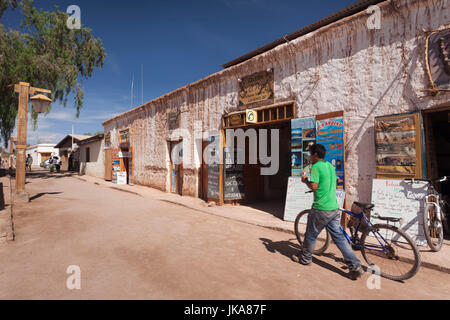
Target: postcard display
(303, 135)
(330, 133)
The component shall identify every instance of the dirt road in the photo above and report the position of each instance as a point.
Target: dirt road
(131, 247)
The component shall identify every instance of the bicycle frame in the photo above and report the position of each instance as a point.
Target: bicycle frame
(432, 193)
(361, 217)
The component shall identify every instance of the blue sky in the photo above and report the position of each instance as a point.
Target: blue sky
(177, 42)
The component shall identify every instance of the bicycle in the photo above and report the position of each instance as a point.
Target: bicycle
(434, 216)
(397, 259)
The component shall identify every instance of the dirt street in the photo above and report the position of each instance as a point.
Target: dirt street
(131, 247)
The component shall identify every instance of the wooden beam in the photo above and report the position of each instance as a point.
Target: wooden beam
(34, 90)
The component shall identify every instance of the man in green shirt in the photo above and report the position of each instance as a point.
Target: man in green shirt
(325, 213)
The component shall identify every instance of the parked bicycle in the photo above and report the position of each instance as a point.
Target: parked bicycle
(382, 245)
(434, 215)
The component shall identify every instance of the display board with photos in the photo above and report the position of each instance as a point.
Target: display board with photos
(330, 134)
(399, 146)
(302, 137)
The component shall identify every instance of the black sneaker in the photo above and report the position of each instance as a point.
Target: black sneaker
(297, 258)
(356, 274)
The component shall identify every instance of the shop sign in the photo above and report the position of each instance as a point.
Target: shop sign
(236, 120)
(108, 140)
(255, 88)
(252, 116)
(123, 155)
(121, 178)
(173, 120)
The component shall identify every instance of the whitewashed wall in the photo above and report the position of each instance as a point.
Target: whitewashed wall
(96, 166)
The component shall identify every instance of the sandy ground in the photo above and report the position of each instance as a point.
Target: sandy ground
(134, 247)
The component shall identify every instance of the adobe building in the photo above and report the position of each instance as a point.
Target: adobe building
(92, 158)
(386, 90)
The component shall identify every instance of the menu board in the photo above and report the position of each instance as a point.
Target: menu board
(299, 198)
(121, 178)
(398, 199)
(330, 134)
(233, 176)
(214, 181)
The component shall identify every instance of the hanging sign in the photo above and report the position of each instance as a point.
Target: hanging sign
(255, 88)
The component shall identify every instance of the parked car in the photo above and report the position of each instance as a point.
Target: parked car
(45, 164)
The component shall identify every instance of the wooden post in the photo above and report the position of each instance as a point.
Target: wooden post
(24, 92)
(11, 151)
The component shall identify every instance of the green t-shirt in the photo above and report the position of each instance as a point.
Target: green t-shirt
(324, 174)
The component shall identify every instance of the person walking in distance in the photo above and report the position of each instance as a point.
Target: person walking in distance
(29, 162)
(325, 213)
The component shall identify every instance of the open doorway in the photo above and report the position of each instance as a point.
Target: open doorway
(268, 193)
(437, 137)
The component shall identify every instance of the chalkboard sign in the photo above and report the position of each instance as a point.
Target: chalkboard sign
(398, 199)
(213, 160)
(214, 181)
(233, 176)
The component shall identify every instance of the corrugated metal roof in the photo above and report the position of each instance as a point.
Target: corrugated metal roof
(350, 10)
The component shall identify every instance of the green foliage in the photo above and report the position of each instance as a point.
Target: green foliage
(45, 53)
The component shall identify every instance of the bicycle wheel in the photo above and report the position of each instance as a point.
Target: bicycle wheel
(392, 251)
(323, 240)
(433, 228)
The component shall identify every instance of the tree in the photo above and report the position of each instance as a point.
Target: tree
(47, 54)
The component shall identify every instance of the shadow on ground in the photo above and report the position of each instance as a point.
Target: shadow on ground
(289, 249)
(43, 194)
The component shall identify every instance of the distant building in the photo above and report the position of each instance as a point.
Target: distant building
(92, 157)
(41, 152)
(69, 152)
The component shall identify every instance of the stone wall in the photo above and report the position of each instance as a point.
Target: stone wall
(343, 66)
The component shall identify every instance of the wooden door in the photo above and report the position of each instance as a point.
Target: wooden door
(204, 172)
(176, 174)
(108, 165)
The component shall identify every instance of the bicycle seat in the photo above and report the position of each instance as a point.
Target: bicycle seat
(365, 206)
(394, 220)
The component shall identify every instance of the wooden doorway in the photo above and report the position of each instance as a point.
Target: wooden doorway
(176, 167)
(204, 172)
(108, 165)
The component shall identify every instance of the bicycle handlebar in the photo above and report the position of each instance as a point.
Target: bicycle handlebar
(440, 180)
